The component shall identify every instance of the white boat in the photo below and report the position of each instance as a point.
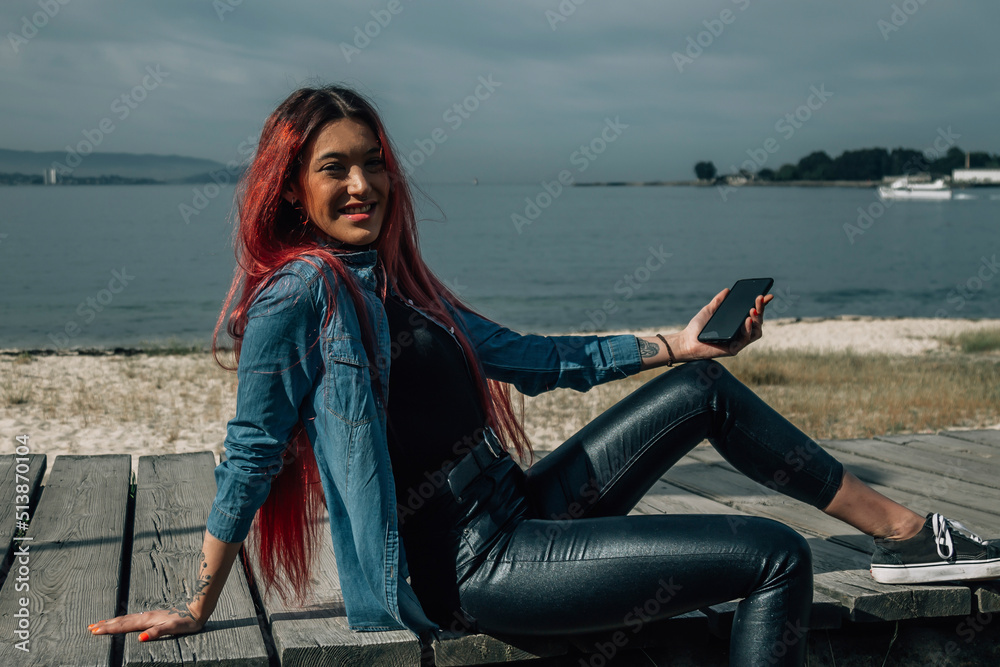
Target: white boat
(903, 189)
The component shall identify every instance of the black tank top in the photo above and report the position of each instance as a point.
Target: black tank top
(433, 416)
(433, 411)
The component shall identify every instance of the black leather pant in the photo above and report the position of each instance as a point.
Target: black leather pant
(551, 550)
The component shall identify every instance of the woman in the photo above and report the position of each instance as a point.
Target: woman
(433, 523)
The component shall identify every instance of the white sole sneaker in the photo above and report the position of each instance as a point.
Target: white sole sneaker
(943, 550)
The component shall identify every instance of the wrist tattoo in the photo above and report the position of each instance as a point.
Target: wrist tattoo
(180, 609)
(647, 349)
(200, 586)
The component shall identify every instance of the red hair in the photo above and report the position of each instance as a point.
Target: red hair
(270, 234)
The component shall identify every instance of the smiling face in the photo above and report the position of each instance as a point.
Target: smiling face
(342, 183)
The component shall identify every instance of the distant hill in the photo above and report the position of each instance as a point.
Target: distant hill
(170, 168)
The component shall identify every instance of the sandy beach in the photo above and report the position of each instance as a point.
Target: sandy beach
(864, 335)
(141, 404)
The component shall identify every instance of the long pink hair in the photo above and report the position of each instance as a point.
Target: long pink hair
(270, 234)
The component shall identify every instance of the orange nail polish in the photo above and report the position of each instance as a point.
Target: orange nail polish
(144, 637)
(91, 626)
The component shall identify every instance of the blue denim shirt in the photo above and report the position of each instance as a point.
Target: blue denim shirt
(292, 366)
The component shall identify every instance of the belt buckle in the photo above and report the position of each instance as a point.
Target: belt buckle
(493, 442)
(475, 462)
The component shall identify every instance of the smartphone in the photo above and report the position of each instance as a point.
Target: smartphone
(725, 324)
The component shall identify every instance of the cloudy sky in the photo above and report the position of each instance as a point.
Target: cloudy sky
(684, 81)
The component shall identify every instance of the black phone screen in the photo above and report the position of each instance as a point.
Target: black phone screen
(725, 323)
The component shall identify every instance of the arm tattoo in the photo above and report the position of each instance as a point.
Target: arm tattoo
(203, 579)
(181, 608)
(199, 588)
(647, 349)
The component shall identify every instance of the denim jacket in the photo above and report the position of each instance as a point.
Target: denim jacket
(293, 367)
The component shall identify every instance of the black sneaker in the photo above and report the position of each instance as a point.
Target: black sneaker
(943, 550)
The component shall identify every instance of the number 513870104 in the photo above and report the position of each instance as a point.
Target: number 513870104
(21, 488)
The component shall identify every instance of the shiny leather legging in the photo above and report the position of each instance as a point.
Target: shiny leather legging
(550, 551)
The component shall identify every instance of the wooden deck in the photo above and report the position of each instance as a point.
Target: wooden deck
(94, 551)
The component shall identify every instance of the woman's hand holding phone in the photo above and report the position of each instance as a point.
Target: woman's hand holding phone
(691, 348)
(720, 329)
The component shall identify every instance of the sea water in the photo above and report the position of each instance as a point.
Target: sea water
(108, 266)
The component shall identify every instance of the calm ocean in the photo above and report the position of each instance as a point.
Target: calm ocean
(120, 266)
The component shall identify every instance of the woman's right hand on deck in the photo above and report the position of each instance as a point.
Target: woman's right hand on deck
(151, 624)
(215, 562)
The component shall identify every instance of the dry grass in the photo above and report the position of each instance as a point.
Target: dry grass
(984, 340)
(850, 396)
(14, 391)
(830, 395)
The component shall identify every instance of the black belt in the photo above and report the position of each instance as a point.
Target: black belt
(473, 464)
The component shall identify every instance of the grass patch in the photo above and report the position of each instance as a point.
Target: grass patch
(972, 342)
(16, 396)
(829, 395)
(14, 391)
(23, 358)
(850, 395)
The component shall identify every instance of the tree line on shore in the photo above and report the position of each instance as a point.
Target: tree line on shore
(866, 164)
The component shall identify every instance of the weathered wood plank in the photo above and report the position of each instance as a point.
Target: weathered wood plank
(904, 478)
(173, 498)
(707, 474)
(984, 436)
(839, 572)
(987, 596)
(944, 444)
(867, 600)
(941, 464)
(784, 509)
(75, 558)
(316, 633)
(925, 493)
(456, 649)
(745, 492)
(15, 481)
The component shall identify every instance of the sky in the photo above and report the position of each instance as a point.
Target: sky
(511, 91)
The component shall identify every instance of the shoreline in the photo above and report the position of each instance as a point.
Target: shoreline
(761, 184)
(710, 184)
(859, 333)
